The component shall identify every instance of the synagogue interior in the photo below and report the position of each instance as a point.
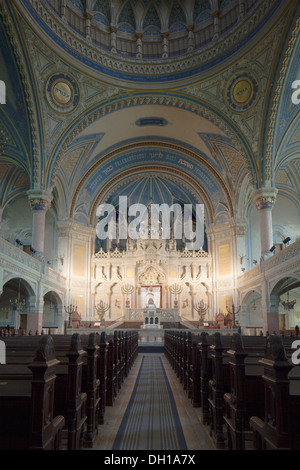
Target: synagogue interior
(189, 110)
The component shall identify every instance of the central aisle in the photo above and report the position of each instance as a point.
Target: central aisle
(152, 412)
(151, 419)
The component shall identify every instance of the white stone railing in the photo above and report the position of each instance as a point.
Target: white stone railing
(288, 258)
(290, 253)
(13, 259)
(166, 314)
(249, 275)
(15, 256)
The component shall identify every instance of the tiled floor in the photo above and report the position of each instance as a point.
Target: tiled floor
(196, 435)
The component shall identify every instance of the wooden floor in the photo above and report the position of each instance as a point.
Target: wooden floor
(196, 435)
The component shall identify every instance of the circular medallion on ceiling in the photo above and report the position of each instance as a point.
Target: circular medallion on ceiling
(242, 91)
(62, 93)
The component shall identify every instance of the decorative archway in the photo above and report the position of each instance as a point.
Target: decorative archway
(285, 298)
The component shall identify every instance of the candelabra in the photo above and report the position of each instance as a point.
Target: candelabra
(201, 309)
(101, 308)
(233, 313)
(288, 304)
(127, 289)
(70, 310)
(18, 304)
(176, 290)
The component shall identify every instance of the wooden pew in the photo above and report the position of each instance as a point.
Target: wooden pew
(217, 385)
(117, 362)
(70, 400)
(188, 365)
(279, 430)
(111, 375)
(195, 376)
(205, 374)
(246, 393)
(27, 404)
(91, 384)
(90, 365)
(102, 374)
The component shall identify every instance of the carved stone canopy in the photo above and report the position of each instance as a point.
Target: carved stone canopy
(151, 275)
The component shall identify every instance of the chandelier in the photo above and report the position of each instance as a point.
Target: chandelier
(288, 304)
(18, 303)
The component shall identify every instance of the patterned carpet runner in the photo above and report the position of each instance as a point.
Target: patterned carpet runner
(151, 420)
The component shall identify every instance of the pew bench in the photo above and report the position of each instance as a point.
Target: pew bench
(27, 404)
(279, 429)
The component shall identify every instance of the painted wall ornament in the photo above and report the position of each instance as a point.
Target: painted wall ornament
(62, 93)
(242, 91)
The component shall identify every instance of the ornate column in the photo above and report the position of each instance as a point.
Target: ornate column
(191, 38)
(139, 45)
(165, 45)
(241, 9)
(113, 38)
(63, 6)
(88, 19)
(40, 202)
(264, 200)
(216, 18)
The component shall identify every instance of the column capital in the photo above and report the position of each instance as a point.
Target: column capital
(190, 27)
(264, 198)
(39, 200)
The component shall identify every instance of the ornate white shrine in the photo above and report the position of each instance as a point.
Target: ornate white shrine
(152, 269)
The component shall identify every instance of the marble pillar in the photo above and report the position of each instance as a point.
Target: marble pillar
(264, 200)
(40, 202)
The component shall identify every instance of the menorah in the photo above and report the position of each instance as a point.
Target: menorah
(176, 290)
(201, 309)
(127, 289)
(233, 313)
(70, 310)
(102, 308)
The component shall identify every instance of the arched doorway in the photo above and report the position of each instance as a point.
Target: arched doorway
(15, 300)
(251, 313)
(285, 296)
(52, 311)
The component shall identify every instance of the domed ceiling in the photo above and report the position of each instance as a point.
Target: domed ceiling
(150, 40)
(180, 92)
